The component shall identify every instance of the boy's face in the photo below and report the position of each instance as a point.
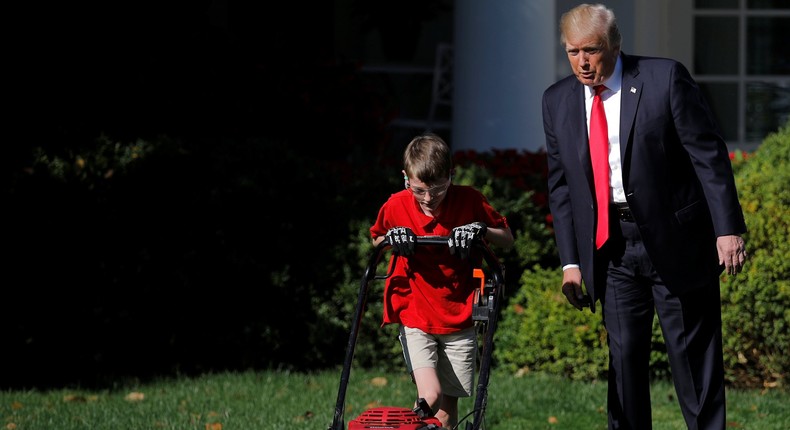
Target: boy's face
(429, 196)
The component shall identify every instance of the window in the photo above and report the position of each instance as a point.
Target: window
(742, 65)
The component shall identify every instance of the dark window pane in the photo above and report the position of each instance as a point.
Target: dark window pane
(767, 109)
(716, 4)
(768, 4)
(766, 46)
(723, 100)
(716, 45)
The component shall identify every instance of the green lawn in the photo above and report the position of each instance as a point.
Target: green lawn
(293, 401)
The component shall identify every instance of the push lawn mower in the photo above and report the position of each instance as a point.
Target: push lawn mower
(485, 313)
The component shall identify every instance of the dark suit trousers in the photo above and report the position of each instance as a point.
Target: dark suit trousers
(691, 325)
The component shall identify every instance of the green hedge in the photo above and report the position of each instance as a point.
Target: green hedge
(540, 331)
(756, 302)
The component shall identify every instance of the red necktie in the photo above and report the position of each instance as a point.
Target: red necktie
(599, 153)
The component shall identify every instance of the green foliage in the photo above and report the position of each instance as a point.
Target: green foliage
(96, 163)
(756, 302)
(376, 346)
(540, 331)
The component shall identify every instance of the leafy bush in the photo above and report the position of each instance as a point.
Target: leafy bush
(540, 331)
(756, 302)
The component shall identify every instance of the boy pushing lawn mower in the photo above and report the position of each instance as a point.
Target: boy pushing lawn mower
(430, 291)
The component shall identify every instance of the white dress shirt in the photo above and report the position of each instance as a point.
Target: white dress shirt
(611, 105)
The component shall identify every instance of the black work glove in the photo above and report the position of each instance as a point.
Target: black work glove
(462, 238)
(402, 240)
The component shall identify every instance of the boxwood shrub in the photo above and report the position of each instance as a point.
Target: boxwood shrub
(756, 302)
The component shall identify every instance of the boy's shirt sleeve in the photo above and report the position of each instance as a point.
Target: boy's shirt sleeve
(378, 228)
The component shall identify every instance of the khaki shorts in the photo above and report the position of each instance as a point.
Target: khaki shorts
(454, 356)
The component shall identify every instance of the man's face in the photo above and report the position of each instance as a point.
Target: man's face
(590, 61)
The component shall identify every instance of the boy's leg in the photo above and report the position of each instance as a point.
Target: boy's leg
(420, 353)
(448, 413)
(456, 370)
(443, 369)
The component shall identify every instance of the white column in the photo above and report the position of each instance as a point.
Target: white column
(504, 59)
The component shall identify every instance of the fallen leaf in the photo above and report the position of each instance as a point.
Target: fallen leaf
(553, 420)
(134, 396)
(10, 426)
(75, 398)
(214, 426)
(372, 405)
(16, 406)
(378, 381)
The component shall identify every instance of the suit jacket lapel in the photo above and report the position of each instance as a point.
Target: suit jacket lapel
(631, 92)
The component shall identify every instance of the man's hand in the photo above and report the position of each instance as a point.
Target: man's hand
(402, 240)
(572, 288)
(463, 237)
(732, 253)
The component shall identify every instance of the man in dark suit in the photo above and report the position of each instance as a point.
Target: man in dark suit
(674, 220)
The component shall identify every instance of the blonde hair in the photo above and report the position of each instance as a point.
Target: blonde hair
(428, 158)
(591, 20)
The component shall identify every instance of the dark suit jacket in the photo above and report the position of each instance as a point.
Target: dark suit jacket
(676, 172)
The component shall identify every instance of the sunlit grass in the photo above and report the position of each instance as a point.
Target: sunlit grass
(293, 401)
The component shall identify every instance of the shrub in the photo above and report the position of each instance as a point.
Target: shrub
(540, 331)
(756, 302)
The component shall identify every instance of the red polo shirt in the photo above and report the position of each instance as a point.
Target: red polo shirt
(432, 290)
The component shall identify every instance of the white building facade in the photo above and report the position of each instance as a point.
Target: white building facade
(506, 52)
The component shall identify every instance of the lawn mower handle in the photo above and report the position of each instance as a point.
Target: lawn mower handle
(491, 260)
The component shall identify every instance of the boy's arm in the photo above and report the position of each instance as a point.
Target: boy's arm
(500, 236)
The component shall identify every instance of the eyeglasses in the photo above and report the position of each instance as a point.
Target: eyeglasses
(433, 191)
